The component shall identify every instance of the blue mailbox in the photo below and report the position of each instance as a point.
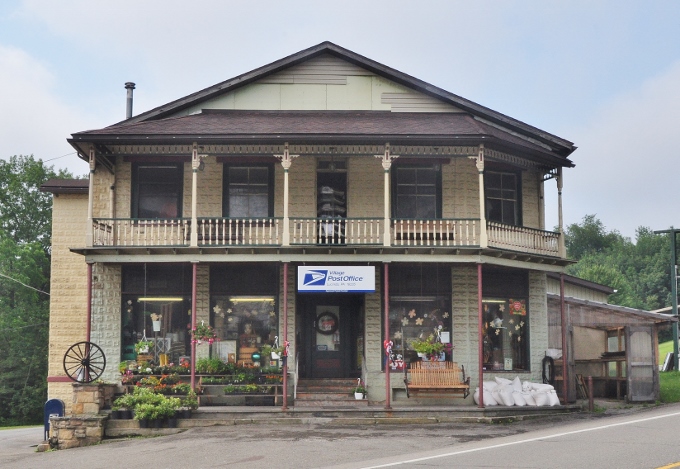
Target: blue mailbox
(53, 408)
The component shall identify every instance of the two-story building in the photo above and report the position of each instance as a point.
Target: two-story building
(326, 199)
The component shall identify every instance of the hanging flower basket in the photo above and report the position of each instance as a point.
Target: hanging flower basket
(203, 333)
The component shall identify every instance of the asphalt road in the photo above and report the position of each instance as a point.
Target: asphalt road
(629, 439)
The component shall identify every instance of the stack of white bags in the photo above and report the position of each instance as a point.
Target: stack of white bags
(507, 392)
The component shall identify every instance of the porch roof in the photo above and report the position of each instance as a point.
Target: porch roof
(598, 315)
(310, 127)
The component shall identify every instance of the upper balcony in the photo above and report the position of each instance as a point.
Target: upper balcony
(331, 232)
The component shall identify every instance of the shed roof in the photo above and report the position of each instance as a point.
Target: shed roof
(594, 314)
(66, 186)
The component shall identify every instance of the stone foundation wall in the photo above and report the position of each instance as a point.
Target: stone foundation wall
(84, 426)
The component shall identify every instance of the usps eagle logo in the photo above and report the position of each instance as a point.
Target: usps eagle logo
(315, 278)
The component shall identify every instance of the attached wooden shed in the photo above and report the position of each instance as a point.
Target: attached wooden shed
(617, 346)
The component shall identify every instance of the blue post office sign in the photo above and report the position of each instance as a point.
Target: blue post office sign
(336, 279)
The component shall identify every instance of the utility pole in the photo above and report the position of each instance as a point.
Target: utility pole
(674, 291)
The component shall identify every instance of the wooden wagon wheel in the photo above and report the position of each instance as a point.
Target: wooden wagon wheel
(84, 362)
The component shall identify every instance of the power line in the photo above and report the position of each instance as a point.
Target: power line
(62, 156)
(21, 283)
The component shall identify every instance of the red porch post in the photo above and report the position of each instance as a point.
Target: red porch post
(480, 328)
(386, 293)
(194, 275)
(285, 336)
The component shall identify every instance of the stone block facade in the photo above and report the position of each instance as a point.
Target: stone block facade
(106, 316)
(68, 285)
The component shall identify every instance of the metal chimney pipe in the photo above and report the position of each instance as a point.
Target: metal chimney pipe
(129, 86)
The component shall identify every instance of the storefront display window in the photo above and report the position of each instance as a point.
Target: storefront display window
(156, 307)
(505, 330)
(243, 325)
(417, 318)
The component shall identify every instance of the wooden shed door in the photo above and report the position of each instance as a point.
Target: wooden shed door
(641, 368)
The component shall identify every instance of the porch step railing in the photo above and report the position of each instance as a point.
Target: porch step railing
(337, 231)
(140, 232)
(239, 231)
(437, 232)
(522, 239)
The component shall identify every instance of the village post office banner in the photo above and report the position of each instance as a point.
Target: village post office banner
(333, 279)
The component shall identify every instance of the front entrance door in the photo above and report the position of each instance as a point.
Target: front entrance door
(333, 335)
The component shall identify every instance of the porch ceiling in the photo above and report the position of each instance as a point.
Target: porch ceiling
(327, 255)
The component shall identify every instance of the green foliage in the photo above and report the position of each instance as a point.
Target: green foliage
(25, 239)
(669, 384)
(639, 271)
(211, 366)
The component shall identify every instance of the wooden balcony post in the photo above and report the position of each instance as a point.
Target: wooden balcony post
(286, 161)
(90, 200)
(483, 238)
(195, 164)
(387, 158)
(561, 246)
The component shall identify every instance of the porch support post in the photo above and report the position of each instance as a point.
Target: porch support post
(195, 165)
(90, 200)
(563, 316)
(387, 158)
(480, 336)
(286, 161)
(386, 293)
(88, 330)
(285, 336)
(194, 278)
(483, 238)
(561, 247)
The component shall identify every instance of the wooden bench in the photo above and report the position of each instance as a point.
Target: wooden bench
(438, 376)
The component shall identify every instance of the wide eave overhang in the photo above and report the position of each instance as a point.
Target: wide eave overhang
(368, 128)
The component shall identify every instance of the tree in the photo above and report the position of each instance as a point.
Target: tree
(638, 271)
(25, 238)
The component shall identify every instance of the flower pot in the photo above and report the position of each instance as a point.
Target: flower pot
(143, 423)
(433, 358)
(125, 414)
(172, 422)
(185, 413)
(157, 423)
(358, 396)
(116, 414)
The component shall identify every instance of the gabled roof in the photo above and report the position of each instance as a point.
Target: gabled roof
(559, 147)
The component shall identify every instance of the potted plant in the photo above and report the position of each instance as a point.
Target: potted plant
(359, 390)
(189, 403)
(156, 321)
(203, 333)
(142, 347)
(429, 348)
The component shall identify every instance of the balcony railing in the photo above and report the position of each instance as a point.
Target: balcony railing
(518, 238)
(239, 231)
(337, 231)
(461, 232)
(140, 232)
(449, 232)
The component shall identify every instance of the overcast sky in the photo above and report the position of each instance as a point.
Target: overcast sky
(602, 74)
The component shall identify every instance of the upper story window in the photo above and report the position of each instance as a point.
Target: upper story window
(502, 191)
(416, 191)
(156, 190)
(248, 191)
